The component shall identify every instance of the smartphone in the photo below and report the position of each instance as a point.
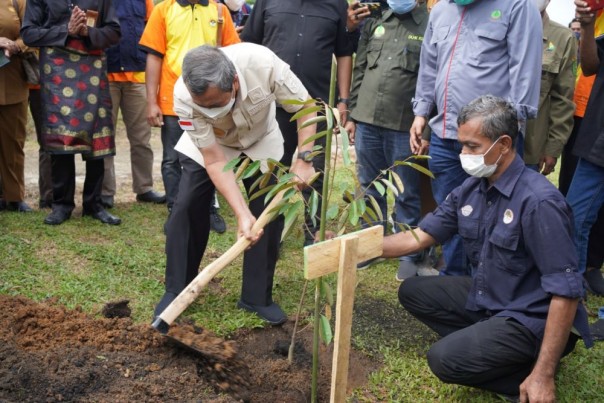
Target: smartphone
(595, 4)
(3, 59)
(375, 9)
(244, 19)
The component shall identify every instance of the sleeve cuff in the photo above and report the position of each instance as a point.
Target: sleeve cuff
(422, 108)
(526, 112)
(567, 283)
(433, 227)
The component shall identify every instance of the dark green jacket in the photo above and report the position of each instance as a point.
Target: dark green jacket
(548, 133)
(386, 67)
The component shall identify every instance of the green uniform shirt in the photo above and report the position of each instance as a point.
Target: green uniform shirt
(386, 67)
(548, 133)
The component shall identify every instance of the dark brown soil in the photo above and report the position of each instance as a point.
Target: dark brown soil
(49, 353)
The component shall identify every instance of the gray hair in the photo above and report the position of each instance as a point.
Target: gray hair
(206, 66)
(498, 117)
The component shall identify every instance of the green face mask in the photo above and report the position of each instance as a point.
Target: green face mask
(463, 2)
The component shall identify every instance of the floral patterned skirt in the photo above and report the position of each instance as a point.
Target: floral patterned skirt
(76, 103)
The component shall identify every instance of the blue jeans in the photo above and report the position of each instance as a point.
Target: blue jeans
(585, 197)
(448, 174)
(377, 149)
(170, 166)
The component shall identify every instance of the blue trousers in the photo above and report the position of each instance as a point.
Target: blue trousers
(377, 149)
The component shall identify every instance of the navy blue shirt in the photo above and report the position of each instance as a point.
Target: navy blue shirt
(519, 238)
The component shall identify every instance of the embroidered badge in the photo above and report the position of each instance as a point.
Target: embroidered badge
(551, 47)
(379, 31)
(186, 124)
(219, 132)
(496, 14)
(212, 23)
(466, 210)
(508, 216)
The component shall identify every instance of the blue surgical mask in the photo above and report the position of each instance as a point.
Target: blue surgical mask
(402, 6)
(463, 2)
(577, 35)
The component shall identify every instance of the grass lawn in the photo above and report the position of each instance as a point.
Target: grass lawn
(83, 263)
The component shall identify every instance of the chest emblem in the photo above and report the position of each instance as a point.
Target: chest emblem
(466, 210)
(496, 14)
(550, 48)
(213, 23)
(508, 216)
(379, 31)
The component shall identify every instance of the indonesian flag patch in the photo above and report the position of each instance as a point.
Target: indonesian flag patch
(186, 124)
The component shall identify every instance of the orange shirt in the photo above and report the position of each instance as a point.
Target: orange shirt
(174, 28)
(132, 76)
(583, 84)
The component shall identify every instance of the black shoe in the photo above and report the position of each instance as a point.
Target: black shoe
(2, 204)
(406, 269)
(42, 204)
(365, 264)
(57, 217)
(163, 304)
(107, 201)
(595, 281)
(217, 222)
(151, 197)
(20, 206)
(271, 314)
(103, 216)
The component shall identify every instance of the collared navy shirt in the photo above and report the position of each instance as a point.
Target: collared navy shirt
(519, 238)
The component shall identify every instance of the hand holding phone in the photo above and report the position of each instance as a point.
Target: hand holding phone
(595, 4)
(375, 9)
(244, 19)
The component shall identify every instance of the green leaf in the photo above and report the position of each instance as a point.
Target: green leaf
(315, 136)
(390, 186)
(420, 168)
(276, 189)
(291, 215)
(297, 102)
(325, 331)
(332, 212)
(420, 157)
(329, 118)
(398, 181)
(305, 111)
(242, 167)
(313, 178)
(260, 192)
(376, 207)
(353, 216)
(312, 121)
(313, 206)
(232, 164)
(326, 292)
(379, 187)
(345, 145)
(252, 169)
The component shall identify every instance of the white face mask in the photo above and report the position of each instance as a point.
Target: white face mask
(219, 112)
(475, 166)
(234, 5)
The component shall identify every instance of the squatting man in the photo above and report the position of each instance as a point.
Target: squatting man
(225, 101)
(504, 328)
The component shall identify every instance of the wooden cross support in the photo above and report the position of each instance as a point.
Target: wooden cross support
(342, 255)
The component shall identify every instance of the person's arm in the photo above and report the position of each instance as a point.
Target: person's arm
(360, 64)
(303, 169)
(226, 183)
(152, 77)
(562, 108)
(344, 74)
(107, 32)
(540, 385)
(33, 31)
(590, 60)
(525, 46)
(406, 243)
(253, 31)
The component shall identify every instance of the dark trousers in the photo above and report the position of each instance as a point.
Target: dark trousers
(289, 131)
(63, 183)
(487, 352)
(188, 229)
(44, 164)
(568, 165)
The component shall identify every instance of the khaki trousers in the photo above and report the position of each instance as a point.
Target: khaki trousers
(13, 120)
(131, 99)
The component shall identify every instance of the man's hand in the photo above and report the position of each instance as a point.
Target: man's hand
(538, 389)
(76, 22)
(154, 115)
(10, 47)
(584, 13)
(547, 164)
(424, 148)
(245, 223)
(343, 109)
(415, 138)
(351, 128)
(303, 171)
(356, 14)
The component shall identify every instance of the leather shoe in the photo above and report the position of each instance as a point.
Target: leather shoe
(19, 206)
(151, 197)
(103, 216)
(271, 313)
(57, 217)
(44, 204)
(217, 222)
(107, 201)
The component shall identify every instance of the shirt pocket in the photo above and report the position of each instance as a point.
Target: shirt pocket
(439, 34)
(506, 255)
(489, 45)
(469, 230)
(550, 67)
(410, 59)
(373, 54)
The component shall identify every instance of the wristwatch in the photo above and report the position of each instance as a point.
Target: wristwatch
(305, 156)
(343, 101)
